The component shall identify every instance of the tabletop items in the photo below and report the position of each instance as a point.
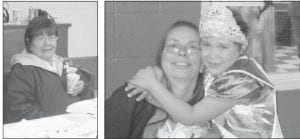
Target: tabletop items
(23, 15)
(84, 107)
(80, 122)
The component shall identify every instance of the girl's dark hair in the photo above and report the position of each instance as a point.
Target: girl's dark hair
(37, 26)
(180, 23)
(244, 28)
(266, 6)
(240, 21)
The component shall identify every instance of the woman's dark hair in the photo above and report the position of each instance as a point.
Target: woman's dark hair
(37, 26)
(198, 91)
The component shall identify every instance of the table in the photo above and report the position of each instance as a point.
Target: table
(71, 125)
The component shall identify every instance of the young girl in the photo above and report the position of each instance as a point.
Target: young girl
(239, 97)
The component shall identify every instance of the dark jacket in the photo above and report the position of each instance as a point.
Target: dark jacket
(127, 118)
(33, 92)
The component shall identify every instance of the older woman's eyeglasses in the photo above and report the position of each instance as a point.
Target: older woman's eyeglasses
(42, 39)
(175, 47)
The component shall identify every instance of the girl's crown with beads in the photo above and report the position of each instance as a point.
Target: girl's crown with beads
(219, 22)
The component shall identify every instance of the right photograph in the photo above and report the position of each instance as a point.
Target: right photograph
(202, 69)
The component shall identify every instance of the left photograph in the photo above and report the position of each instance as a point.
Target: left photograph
(50, 69)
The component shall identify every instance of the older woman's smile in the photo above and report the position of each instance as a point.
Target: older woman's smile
(48, 49)
(182, 64)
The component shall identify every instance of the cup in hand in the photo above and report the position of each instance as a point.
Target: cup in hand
(72, 79)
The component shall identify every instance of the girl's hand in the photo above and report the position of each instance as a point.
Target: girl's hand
(144, 78)
(136, 90)
(142, 92)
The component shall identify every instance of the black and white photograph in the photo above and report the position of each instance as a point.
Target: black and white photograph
(50, 69)
(193, 69)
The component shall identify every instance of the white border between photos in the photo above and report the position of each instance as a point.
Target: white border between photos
(101, 51)
(1, 76)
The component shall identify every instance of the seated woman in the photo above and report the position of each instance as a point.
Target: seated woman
(39, 82)
(240, 98)
(180, 60)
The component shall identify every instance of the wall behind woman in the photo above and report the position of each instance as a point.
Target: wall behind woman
(133, 31)
(82, 40)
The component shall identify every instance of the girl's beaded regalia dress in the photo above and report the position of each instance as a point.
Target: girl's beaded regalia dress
(255, 114)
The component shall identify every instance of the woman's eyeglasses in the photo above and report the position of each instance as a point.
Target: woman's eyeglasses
(42, 39)
(176, 47)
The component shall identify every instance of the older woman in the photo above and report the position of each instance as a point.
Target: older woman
(240, 98)
(180, 60)
(37, 85)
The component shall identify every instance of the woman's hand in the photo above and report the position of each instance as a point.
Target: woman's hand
(78, 87)
(137, 89)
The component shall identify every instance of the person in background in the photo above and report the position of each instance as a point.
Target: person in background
(265, 29)
(294, 12)
(250, 15)
(261, 36)
(240, 99)
(179, 57)
(40, 82)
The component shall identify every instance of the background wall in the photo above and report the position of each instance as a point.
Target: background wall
(133, 31)
(288, 112)
(82, 16)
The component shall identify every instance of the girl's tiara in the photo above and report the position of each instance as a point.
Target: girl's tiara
(219, 22)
